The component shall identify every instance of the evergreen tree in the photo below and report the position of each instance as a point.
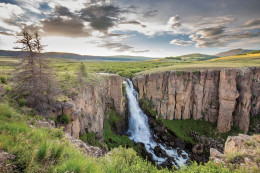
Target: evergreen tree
(33, 78)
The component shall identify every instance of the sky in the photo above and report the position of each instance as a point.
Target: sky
(152, 28)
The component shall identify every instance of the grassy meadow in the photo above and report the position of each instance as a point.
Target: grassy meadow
(66, 70)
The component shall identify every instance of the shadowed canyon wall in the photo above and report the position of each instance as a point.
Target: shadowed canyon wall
(87, 109)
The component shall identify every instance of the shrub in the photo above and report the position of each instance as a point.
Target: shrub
(89, 138)
(53, 119)
(42, 152)
(3, 79)
(21, 102)
(7, 89)
(58, 133)
(64, 119)
(56, 152)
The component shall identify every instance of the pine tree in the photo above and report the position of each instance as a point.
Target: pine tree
(34, 79)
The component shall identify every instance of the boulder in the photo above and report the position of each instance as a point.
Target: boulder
(235, 143)
(158, 151)
(197, 149)
(85, 148)
(5, 165)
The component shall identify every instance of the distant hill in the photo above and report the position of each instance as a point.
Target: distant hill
(249, 57)
(78, 57)
(191, 57)
(233, 52)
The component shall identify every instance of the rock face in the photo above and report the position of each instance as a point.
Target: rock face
(85, 148)
(241, 150)
(224, 96)
(87, 109)
(227, 99)
(5, 159)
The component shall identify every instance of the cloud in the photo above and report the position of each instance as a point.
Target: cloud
(181, 42)
(6, 33)
(70, 27)
(63, 11)
(9, 10)
(253, 23)
(101, 17)
(245, 35)
(174, 22)
(199, 21)
(208, 37)
(150, 13)
(134, 22)
(120, 47)
(140, 51)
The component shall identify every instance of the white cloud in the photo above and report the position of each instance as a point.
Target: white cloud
(174, 22)
(181, 42)
(9, 10)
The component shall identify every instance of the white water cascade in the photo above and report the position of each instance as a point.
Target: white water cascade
(139, 129)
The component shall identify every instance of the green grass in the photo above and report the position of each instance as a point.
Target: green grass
(182, 128)
(208, 167)
(47, 150)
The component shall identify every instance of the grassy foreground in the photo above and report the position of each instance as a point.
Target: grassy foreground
(47, 150)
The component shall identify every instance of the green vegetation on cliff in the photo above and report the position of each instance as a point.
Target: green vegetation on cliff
(111, 138)
(183, 128)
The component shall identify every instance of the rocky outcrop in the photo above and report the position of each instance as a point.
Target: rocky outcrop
(241, 151)
(5, 165)
(85, 148)
(87, 108)
(227, 97)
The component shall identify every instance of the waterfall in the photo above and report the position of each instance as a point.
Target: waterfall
(139, 130)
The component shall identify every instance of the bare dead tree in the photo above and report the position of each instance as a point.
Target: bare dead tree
(33, 78)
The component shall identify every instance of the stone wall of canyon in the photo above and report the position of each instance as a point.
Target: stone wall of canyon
(87, 109)
(227, 97)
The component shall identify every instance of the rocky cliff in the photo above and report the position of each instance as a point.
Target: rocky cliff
(241, 152)
(224, 96)
(88, 107)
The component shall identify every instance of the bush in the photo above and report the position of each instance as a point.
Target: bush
(7, 89)
(7, 112)
(56, 152)
(89, 138)
(64, 119)
(42, 152)
(21, 102)
(3, 79)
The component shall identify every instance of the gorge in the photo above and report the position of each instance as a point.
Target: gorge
(226, 97)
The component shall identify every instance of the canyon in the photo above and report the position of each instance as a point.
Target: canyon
(227, 97)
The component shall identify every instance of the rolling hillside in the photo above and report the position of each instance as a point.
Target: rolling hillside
(233, 52)
(78, 57)
(251, 56)
(190, 57)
